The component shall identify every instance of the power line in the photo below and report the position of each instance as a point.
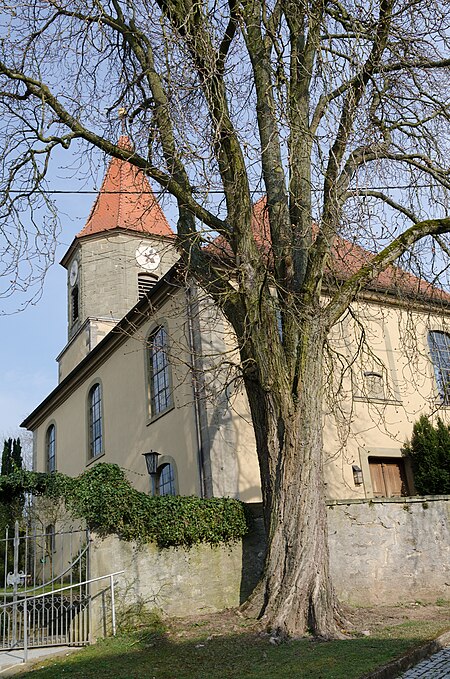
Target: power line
(165, 192)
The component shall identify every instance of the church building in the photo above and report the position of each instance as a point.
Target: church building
(150, 366)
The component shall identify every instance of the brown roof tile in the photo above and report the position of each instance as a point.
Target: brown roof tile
(346, 259)
(126, 201)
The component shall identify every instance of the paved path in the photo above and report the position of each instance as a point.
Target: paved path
(436, 667)
(12, 658)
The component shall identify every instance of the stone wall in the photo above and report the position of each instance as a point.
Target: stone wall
(180, 582)
(383, 551)
(390, 550)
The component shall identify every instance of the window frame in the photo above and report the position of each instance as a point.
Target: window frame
(170, 482)
(163, 462)
(374, 385)
(93, 452)
(50, 429)
(440, 360)
(162, 376)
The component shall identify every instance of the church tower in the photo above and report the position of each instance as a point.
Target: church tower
(124, 248)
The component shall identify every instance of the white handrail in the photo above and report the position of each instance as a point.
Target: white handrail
(62, 589)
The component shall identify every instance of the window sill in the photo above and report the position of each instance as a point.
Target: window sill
(384, 401)
(159, 415)
(91, 460)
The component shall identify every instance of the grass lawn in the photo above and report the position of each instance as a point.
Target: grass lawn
(226, 646)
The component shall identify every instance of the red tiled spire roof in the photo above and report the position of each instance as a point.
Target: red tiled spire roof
(126, 201)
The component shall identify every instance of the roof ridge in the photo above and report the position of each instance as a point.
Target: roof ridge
(346, 258)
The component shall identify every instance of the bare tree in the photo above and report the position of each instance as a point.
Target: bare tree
(337, 112)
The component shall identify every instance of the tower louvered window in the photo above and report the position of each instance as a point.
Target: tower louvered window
(146, 281)
(75, 304)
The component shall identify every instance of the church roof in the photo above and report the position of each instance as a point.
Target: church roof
(346, 259)
(126, 201)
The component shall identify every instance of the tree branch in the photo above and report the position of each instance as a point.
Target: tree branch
(378, 263)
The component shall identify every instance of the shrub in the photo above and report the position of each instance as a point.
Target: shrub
(105, 499)
(429, 452)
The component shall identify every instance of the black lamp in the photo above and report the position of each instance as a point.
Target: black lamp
(357, 475)
(151, 460)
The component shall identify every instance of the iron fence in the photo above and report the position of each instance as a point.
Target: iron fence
(45, 597)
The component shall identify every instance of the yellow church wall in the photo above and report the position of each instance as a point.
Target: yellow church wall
(128, 430)
(357, 425)
(90, 334)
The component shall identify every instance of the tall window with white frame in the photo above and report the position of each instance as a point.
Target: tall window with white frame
(50, 448)
(95, 421)
(165, 482)
(439, 343)
(159, 372)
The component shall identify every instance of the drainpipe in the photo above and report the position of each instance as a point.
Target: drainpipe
(198, 388)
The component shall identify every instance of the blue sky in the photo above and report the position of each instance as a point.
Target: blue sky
(31, 339)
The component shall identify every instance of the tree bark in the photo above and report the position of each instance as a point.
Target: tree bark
(295, 594)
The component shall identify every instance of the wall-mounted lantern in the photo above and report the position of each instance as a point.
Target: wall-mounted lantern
(151, 460)
(357, 475)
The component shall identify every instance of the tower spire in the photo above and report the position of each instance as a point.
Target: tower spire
(126, 201)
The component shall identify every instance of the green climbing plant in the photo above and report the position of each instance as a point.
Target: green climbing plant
(106, 500)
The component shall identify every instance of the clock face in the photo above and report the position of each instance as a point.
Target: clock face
(73, 273)
(147, 257)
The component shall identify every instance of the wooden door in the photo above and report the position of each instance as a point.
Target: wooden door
(388, 476)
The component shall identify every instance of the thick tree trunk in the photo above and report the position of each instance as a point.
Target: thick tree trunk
(295, 594)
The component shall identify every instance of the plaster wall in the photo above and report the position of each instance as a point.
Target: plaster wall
(232, 459)
(88, 336)
(128, 426)
(179, 581)
(358, 424)
(390, 551)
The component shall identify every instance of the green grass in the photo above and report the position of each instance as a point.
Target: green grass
(153, 654)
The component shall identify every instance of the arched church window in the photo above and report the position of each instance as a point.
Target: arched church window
(95, 421)
(159, 372)
(50, 448)
(439, 343)
(165, 481)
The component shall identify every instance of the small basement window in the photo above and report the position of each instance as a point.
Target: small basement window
(146, 281)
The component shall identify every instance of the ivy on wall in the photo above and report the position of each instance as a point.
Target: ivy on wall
(106, 500)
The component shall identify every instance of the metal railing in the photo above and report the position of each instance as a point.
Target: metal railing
(44, 600)
(45, 619)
